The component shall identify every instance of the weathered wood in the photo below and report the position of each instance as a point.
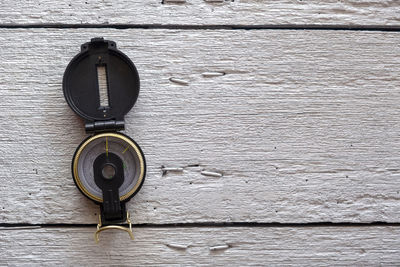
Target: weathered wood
(201, 12)
(304, 126)
(308, 246)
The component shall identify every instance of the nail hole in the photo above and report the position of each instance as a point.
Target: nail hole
(193, 165)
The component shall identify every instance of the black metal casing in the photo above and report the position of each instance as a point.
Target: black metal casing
(81, 91)
(80, 85)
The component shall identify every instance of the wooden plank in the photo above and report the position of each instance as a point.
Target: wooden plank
(303, 126)
(310, 246)
(202, 12)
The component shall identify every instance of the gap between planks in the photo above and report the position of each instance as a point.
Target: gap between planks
(390, 28)
(6, 226)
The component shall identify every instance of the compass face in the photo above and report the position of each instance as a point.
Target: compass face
(120, 145)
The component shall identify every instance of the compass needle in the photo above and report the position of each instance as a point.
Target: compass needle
(106, 146)
(126, 149)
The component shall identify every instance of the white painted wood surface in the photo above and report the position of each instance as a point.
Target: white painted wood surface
(202, 12)
(257, 126)
(255, 246)
(303, 126)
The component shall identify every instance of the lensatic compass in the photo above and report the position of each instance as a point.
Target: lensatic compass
(101, 85)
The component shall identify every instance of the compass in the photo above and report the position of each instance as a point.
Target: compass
(101, 85)
(108, 146)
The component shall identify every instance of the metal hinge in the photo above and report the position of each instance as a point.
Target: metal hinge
(104, 126)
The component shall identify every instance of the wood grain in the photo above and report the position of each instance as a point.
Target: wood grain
(302, 127)
(201, 12)
(310, 246)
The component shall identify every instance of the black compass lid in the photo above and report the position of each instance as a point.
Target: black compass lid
(101, 83)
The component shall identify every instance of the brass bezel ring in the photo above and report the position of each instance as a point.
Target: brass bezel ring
(115, 135)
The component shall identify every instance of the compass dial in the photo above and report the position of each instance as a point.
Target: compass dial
(122, 146)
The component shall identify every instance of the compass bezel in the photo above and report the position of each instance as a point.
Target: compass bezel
(142, 163)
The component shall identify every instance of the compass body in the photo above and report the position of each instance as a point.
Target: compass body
(101, 85)
(108, 143)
